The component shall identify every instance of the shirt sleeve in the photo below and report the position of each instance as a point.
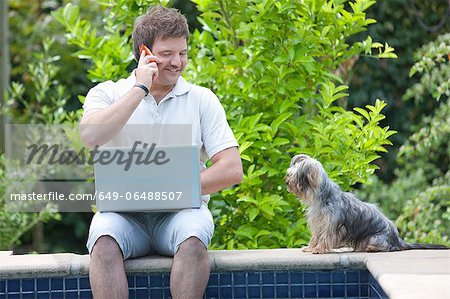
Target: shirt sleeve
(216, 132)
(98, 97)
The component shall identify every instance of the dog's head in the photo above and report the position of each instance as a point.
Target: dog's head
(303, 177)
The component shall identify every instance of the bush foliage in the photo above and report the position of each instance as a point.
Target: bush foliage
(406, 25)
(14, 225)
(40, 100)
(273, 66)
(419, 197)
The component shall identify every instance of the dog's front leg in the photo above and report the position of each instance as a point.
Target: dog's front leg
(312, 243)
(323, 245)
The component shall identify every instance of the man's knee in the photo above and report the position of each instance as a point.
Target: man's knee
(193, 247)
(106, 249)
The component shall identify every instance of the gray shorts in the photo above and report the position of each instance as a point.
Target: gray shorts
(140, 233)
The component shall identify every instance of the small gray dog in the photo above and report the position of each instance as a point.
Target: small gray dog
(339, 219)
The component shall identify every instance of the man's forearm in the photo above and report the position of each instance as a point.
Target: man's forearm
(100, 126)
(225, 172)
(215, 179)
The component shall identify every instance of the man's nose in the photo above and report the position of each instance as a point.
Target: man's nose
(176, 60)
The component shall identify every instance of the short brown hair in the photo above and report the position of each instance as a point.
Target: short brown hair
(158, 22)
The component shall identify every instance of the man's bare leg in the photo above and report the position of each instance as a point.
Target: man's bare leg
(190, 270)
(107, 271)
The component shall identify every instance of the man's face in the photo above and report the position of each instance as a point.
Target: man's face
(172, 53)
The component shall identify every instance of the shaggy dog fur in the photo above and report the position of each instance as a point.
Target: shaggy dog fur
(339, 219)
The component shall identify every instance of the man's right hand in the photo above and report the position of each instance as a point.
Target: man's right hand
(147, 71)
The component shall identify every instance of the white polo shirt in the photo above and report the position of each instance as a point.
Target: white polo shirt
(185, 104)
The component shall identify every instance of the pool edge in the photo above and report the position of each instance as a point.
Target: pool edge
(384, 267)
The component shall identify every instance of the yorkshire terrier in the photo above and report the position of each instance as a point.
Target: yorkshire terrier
(339, 219)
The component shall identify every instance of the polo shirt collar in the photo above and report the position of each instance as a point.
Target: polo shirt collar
(181, 87)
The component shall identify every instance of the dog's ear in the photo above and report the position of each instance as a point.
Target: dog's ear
(311, 177)
(305, 177)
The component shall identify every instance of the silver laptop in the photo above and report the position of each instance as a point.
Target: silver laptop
(147, 177)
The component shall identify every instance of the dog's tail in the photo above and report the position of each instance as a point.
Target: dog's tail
(412, 246)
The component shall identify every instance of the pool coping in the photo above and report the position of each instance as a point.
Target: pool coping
(406, 274)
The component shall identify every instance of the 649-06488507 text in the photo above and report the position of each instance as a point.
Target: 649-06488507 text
(164, 195)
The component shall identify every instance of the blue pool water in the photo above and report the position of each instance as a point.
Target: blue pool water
(251, 284)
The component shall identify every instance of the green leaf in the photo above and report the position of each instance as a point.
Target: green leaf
(263, 232)
(70, 13)
(245, 145)
(279, 120)
(247, 231)
(362, 112)
(280, 141)
(252, 213)
(267, 209)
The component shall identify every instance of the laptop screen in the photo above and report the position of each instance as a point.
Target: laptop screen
(147, 177)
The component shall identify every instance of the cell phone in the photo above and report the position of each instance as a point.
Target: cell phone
(147, 51)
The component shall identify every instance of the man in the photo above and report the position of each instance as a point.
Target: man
(185, 235)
